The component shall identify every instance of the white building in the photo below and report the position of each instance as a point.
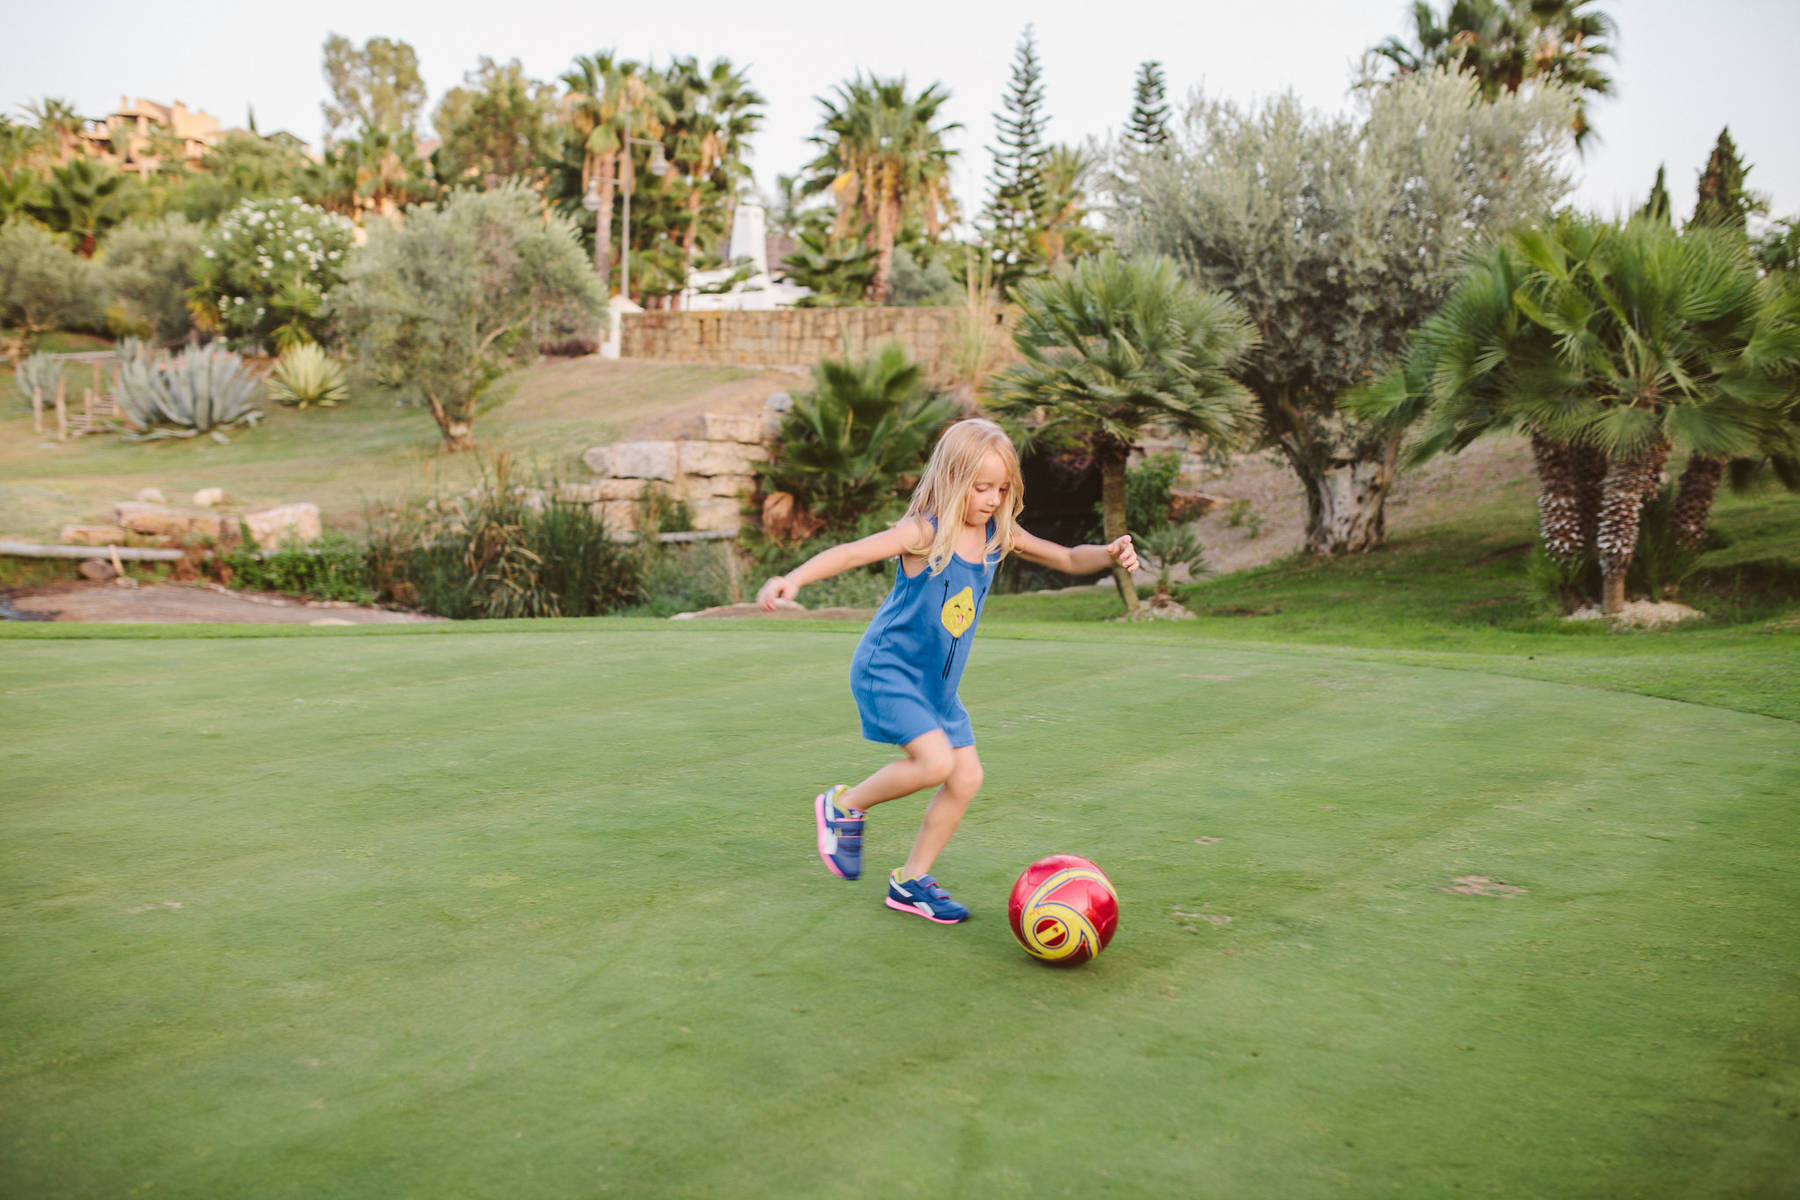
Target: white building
(759, 293)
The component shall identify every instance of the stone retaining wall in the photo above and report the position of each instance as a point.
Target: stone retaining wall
(803, 336)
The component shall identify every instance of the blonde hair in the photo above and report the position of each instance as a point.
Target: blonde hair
(943, 491)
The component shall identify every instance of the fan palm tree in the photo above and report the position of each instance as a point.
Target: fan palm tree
(58, 121)
(883, 159)
(1613, 345)
(1110, 344)
(1062, 231)
(83, 198)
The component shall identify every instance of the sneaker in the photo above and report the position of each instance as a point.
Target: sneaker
(840, 834)
(924, 897)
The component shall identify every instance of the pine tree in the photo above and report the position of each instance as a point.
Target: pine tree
(1657, 207)
(1149, 126)
(1016, 186)
(1723, 203)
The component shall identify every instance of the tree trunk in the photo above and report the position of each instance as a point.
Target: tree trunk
(459, 433)
(1345, 501)
(603, 225)
(1694, 498)
(887, 225)
(1112, 456)
(1560, 519)
(1622, 491)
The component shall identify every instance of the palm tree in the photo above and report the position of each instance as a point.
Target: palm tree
(83, 198)
(57, 119)
(1505, 44)
(1613, 345)
(883, 159)
(608, 97)
(1110, 344)
(716, 111)
(1062, 231)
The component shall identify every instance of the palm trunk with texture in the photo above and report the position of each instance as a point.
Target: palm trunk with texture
(1628, 478)
(1694, 497)
(1112, 457)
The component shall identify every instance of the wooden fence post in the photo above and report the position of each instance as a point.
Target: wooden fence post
(62, 412)
(37, 410)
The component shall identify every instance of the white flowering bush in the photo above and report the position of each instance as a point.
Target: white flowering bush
(266, 271)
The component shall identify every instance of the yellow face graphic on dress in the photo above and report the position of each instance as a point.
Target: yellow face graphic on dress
(959, 612)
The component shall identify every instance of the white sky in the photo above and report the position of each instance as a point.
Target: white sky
(1683, 70)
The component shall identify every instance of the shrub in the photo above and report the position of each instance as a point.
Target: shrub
(499, 553)
(43, 284)
(306, 375)
(264, 274)
(336, 568)
(205, 389)
(147, 272)
(441, 304)
(846, 445)
(1170, 546)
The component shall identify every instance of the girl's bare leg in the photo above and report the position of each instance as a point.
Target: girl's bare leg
(944, 812)
(929, 761)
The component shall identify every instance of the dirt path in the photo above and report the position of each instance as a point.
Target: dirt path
(186, 603)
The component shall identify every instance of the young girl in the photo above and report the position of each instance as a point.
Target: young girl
(907, 667)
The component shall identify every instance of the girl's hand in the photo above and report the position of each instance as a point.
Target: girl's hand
(777, 589)
(1122, 553)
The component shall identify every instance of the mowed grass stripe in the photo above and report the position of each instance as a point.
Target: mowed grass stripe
(519, 915)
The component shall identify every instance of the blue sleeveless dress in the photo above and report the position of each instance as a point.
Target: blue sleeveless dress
(910, 660)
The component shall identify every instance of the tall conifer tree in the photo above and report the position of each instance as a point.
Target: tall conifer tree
(1657, 207)
(1723, 203)
(1016, 186)
(1149, 127)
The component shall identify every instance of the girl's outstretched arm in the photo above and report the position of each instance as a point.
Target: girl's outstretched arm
(835, 561)
(1075, 560)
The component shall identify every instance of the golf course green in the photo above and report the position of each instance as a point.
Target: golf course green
(515, 912)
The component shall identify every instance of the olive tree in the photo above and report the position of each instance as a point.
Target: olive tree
(43, 284)
(436, 305)
(1339, 235)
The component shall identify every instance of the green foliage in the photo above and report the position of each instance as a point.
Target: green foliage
(1149, 492)
(838, 270)
(377, 85)
(334, 568)
(504, 552)
(268, 267)
(1661, 562)
(845, 445)
(148, 269)
(205, 389)
(238, 167)
(306, 375)
(83, 198)
(1170, 546)
(1148, 127)
(500, 124)
(914, 284)
(1239, 514)
(1110, 344)
(43, 285)
(439, 304)
(1723, 202)
(661, 511)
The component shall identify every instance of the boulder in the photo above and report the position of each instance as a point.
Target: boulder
(97, 568)
(209, 497)
(151, 495)
(720, 458)
(92, 535)
(272, 526)
(730, 427)
(633, 460)
(143, 517)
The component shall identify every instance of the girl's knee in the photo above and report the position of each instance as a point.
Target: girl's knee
(935, 759)
(965, 778)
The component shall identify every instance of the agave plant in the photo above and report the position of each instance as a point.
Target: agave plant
(38, 373)
(201, 391)
(306, 375)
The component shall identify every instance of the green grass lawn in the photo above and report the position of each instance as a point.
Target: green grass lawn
(533, 910)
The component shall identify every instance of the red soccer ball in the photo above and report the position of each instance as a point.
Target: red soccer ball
(1063, 910)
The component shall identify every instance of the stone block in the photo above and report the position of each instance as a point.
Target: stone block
(581, 493)
(93, 535)
(633, 460)
(720, 458)
(209, 497)
(272, 526)
(716, 513)
(140, 517)
(730, 485)
(618, 516)
(730, 427)
(151, 495)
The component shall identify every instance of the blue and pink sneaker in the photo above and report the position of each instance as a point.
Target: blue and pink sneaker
(840, 834)
(923, 897)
